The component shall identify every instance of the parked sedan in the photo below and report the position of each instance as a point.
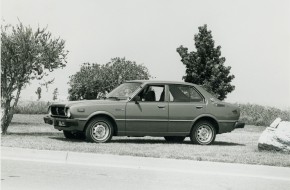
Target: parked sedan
(173, 110)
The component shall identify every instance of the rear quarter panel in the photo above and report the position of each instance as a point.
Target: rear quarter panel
(226, 114)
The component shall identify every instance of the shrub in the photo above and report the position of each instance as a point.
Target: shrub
(253, 114)
(32, 107)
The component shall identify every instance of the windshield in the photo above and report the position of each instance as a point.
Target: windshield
(124, 90)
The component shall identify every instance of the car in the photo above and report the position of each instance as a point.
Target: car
(138, 108)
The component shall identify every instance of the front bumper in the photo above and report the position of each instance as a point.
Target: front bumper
(64, 123)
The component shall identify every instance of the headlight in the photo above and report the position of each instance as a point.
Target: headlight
(68, 112)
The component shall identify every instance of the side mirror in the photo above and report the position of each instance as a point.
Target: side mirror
(137, 99)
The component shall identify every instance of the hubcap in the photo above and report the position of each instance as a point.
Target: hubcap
(100, 131)
(204, 134)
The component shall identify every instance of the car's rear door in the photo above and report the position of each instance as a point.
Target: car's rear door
(185, 104)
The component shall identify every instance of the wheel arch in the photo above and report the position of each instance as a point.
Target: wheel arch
(209, 118)
(107, 115)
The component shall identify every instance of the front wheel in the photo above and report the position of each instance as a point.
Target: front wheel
(203, 133)
(99, 130)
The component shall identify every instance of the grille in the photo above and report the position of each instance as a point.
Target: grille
(58, 111)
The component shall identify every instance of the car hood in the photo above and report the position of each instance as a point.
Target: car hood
(87, 102)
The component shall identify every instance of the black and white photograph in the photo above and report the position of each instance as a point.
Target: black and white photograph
(145, 94)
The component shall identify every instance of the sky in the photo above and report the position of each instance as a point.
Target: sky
(254, 36)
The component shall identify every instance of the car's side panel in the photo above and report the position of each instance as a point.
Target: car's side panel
(114, 111)
(146, 118)
(181, 115)
(86, 111)
(121, 125)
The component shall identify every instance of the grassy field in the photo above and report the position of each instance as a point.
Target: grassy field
(239, 146)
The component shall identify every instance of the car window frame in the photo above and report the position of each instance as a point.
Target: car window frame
(166, 90)
(189, 86)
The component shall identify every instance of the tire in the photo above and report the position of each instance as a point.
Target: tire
(203, 133)
(176, 139)
(99, 130)
(74, 135)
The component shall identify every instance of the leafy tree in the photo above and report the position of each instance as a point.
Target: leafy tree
(38, 93)
(85, 83)
(55, 94)
(205, 66)
(95, 80)
(25, 55)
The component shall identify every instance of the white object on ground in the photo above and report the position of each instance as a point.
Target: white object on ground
(276, 122)
(276, 138)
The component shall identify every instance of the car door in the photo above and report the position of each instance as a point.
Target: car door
(149, 116)
(185, 104)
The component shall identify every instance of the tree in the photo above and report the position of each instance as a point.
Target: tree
(46, 83)
(55, 94)
(38, 93)
(25, 55)
(95, 80)
(205, 66)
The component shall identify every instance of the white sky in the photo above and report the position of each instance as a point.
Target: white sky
(254, 36)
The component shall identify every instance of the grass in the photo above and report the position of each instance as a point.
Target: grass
(239, 146)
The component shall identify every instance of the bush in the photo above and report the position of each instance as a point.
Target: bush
(253, 114)
(32, 107)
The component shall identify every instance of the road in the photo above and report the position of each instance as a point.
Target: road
(91, 171)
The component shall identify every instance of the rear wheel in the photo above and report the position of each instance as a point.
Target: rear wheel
(74, 134)
(174, 138)
(99, 130)
(203, 133)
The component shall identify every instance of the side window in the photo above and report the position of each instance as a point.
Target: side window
(179, 93)
(153, 93)
(182, 93)
(194, 95)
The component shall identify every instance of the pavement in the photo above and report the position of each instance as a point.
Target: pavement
(145, 163)
(231, 175)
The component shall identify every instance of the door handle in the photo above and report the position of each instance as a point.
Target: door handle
(199, 107)
(161, 106)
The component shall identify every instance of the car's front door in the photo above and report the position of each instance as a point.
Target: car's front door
(149, 116)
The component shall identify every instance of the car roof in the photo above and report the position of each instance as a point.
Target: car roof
(162, 82)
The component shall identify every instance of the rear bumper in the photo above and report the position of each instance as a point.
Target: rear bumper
(225, 127)
(239, 125)
(64, 123)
